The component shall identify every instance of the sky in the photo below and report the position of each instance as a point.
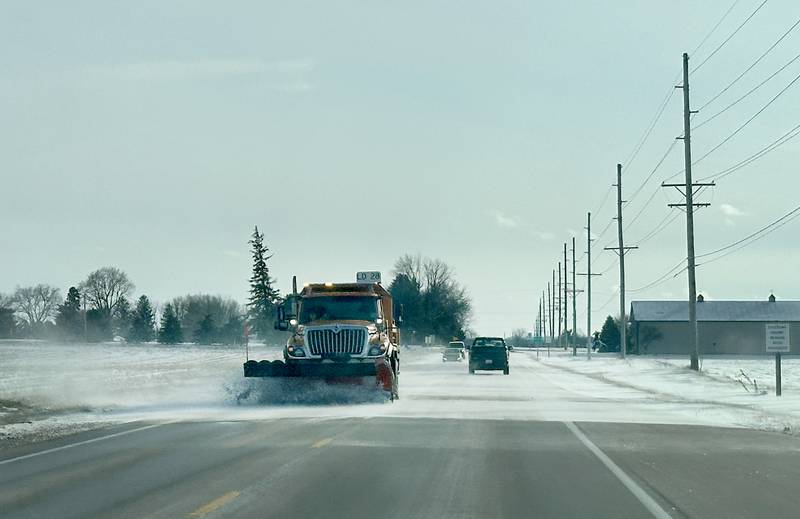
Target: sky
(153, 136)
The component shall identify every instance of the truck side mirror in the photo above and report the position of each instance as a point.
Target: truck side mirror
(280, 319)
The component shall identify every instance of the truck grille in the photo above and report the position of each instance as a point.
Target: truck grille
(336, 339)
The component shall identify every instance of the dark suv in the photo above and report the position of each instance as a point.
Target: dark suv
(488, 353)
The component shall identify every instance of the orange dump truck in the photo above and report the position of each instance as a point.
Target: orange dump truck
(340, 332)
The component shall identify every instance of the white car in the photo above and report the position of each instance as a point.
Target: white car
(454, 351)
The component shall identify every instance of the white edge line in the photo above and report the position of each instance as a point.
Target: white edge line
(84, 442)
(638, 492)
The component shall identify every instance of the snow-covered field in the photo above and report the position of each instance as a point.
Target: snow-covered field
(49, 389)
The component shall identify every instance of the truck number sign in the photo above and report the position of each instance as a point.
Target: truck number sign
(778, 338)
(368, 277)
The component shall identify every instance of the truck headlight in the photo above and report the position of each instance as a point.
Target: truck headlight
(375, 351)
(296, 351)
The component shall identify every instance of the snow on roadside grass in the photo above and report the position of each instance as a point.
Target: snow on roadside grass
(56, 376)
(719, 382)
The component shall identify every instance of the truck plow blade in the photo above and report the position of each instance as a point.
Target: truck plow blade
(279, 368)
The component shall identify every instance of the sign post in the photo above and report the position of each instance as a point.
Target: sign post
(778, 341)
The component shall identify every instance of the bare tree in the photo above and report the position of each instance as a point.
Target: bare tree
(37, 304)
(410, 266)
(438, 275)
(104, 288)
(433, 300)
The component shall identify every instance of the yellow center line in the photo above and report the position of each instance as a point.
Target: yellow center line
(322, 443)
(215, 504)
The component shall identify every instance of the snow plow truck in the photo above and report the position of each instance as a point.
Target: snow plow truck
(340, 332)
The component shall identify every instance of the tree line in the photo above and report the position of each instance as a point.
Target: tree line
(101, 307)
(432, 301)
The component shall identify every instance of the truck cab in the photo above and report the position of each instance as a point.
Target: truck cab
(341, 321)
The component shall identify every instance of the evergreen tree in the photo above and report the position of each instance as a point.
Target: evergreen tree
(609, 335)
(8, 325)
(232, 332)
(263, 297)
(98, 325)
(143, 323)
(170, 331)
(122, 317)
(69, 319)
(206, 331)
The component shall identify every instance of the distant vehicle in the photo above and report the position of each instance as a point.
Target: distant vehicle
(454, 351)
(488, 353)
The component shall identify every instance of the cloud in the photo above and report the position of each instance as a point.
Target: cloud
(504, 221)
(729, 210)
(546, 236)
(165, 70)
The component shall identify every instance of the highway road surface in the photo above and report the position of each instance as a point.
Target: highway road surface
(540, 442)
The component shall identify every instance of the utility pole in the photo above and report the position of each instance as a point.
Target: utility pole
(560, 322)
(688, 192)
(542, 326)
(553, 311)
(621, 249)
(589, 275)
(566, 300)
(574, 303)
(549, 314)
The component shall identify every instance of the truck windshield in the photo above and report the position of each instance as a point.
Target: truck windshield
(489, 342)
(338, 308)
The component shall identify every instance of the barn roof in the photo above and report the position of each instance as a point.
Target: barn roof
(742, 311)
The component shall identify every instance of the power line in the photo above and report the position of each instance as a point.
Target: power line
(662, 107)
(610, 266)
(740, 128)
(786, 137)
(606, 228)
(658, 188)
(605, 198)
(666, 222)
(653, 172)
(667, 276)
(608, 301)
(767, 229)
(714, 29)
(740, 99)
(749, 68)
(726, 40)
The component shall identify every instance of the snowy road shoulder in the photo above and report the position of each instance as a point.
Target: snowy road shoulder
(719, 385)
(50, 390)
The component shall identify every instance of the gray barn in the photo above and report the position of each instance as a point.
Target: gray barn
(726, 327)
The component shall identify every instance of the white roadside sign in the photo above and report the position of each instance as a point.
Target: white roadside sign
(778, 338)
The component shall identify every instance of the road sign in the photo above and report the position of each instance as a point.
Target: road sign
(368, 277)
(778, 338)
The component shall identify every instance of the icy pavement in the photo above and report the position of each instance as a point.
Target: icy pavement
(49, 389)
